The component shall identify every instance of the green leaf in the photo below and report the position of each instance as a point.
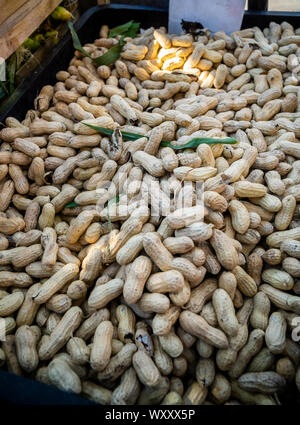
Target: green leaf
(76, 42)
(109, 132)
(112, 200)
(71, 205)
(107, 59)
(129, 29)
(120, 29)
(200, 140)
(110, 56)
(191, 144)
(132, 136)
(133, 30)
(102, 130)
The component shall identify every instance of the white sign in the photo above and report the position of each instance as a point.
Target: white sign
(216, 15)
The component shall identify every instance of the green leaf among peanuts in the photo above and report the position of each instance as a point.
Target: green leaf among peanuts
(129, 29)
(111, 55)
(193, 143)
(76, 42)
(107, 59)
(109, 132)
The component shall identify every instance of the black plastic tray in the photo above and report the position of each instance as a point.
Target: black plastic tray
(15, 389)
(88, 27)
(20, 390)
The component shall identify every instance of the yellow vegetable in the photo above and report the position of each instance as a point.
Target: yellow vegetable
(61, 14)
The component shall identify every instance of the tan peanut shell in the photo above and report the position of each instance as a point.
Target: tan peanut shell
(101, 348)
(261, 309)
(197, 326)
(62, 375)
(275, 333)
(145, 368)
(61, 333)
(139, 272)
(225, 312)
(56, 282)
(26, 348)
(265, 382)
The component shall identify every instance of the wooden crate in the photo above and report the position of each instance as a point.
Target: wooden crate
(38, 56)
(18, 19)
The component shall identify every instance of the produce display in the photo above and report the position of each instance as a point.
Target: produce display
(149, 220)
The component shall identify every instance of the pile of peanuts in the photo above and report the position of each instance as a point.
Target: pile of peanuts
(173, 278)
